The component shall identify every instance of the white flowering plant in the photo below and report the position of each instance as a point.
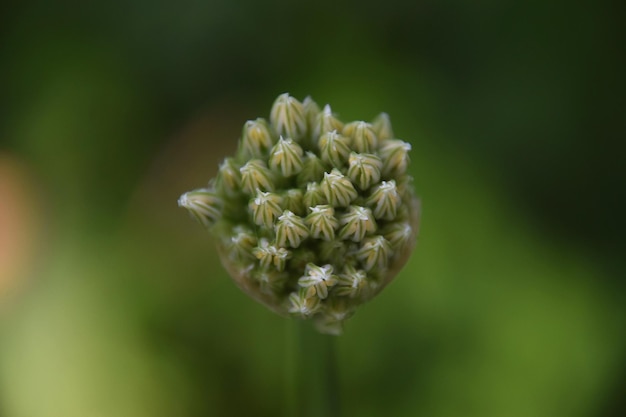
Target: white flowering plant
(312, 217)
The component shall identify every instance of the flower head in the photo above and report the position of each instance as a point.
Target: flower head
(313, 216)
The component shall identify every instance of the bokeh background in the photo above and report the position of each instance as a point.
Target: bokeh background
(112, 300)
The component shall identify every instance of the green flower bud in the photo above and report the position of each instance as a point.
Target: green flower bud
(256, 139)
(313, 170)
(317, 280)
(301, 257)
(352, 282)
(364, 169)
(290, 230)
(338, 189)
(364, 139)
(306, 197)
(311, 110)
(302, 306)
(404, 216)
(314, 196)
(228, 179)
(374, 253)
(404, 184)
(293, 200)
(255, 175)
(241, 244)
(334, 252)
(271, 281)
(334, 148)
(395, 156)
(265, 208)
(326, 122)
(398, 234)
(322, 222)
(270, 255)
(357, 222)
(203, 204)
(288, 117)
(385, 200)
(382, 127)
(286, 156)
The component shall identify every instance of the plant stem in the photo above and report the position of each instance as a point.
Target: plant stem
(291, 369)
(311, 373)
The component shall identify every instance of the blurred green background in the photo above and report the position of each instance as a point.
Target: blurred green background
(112, 300)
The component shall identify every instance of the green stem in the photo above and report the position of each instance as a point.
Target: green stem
(291, 368)
(311, 373)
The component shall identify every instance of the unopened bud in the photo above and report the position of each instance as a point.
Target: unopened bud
(313, 170)
(334, 148)
(203, 204)
(382, 127)
(352, 282)
(364, 169)
(286, 156)
(314, 196)
(326, 122)
(385, 200)
(255, 175)
(356, 223)
(256, 139)
(293, 200)
(322, 222)
(290, 230)
(288, 118)
(374, 253)
(265, 208)
(395, 156)
(364, 139)
(271, 256)
(317, 280)
(338, 189)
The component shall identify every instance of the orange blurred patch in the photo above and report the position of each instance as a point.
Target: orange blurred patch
(18, 225)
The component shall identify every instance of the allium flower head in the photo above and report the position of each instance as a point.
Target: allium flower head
(312, 216)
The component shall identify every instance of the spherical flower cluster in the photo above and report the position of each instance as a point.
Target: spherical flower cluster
(313, 217)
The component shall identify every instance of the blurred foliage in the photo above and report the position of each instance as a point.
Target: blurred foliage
(513, 304)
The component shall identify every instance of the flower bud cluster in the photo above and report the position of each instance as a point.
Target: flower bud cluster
(313, 217)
